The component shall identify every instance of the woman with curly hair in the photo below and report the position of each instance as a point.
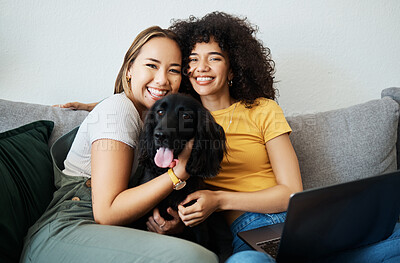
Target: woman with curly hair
(231, 72)
(250, 61)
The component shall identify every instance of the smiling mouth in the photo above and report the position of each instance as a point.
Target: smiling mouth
(204, 79)
(157, 93)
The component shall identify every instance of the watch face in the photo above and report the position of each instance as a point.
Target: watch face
(180, 185)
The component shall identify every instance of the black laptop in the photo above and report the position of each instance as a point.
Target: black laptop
(320, 222)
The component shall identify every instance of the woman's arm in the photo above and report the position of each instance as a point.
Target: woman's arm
(272, 200)
(115, 204)
(77, 105)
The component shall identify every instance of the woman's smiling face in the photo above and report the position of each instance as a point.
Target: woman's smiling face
(209, 69)
(155, 73)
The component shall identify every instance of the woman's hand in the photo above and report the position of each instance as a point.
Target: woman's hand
(77, 106)
(180, 168)
(159, 225)
(206, 203)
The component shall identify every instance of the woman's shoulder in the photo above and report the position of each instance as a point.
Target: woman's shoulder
(114, 118)
(116, 102)
(264, 102)
(262, 105)
(262, 110)
(117, 107)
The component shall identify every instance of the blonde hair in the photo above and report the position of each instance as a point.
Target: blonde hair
(141, 39)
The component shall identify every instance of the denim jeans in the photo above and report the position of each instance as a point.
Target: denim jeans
(248, 221)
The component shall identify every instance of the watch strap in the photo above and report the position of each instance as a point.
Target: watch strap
(175, 180)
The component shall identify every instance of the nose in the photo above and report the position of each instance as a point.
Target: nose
(159, 135)
(161, 78)
(202, 65)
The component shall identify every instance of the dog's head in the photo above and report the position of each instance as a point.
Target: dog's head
(171, 123)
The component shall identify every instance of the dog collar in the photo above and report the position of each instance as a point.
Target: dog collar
(178, 183)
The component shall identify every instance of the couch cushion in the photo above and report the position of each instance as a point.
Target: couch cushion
(26, 184)
(14, 114)
(346, 144)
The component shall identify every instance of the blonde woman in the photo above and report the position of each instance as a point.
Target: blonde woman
(84, 222)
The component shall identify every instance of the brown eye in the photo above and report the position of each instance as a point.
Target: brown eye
(186, 116)
(160, 112)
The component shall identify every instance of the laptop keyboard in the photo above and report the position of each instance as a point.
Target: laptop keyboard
(270, 246)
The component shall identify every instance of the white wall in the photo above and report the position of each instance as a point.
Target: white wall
(328, 54)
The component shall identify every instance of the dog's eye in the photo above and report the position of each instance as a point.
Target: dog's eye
(160, 112)
(186, 116)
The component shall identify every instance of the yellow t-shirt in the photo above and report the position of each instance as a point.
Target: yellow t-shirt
(246, 167)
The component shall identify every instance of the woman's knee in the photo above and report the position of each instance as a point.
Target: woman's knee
(98, 243)
(250, 256)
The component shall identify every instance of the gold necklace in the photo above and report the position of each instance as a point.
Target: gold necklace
(230, 121)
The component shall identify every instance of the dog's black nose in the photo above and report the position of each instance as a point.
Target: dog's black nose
(159, 135)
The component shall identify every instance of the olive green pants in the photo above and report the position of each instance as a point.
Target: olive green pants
(67, 231)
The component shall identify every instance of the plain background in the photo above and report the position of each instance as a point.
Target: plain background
(328, 54)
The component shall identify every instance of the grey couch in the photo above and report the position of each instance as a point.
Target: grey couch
(332, 147)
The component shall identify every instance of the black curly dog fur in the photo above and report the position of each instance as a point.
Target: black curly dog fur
(171, 123)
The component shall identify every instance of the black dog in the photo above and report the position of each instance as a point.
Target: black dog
(169, 125)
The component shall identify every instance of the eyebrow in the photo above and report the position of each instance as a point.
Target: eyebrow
(210, 53)
(159, 62)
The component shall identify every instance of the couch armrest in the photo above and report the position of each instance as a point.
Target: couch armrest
(394, 93)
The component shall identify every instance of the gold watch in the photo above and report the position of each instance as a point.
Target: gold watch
(178, 183)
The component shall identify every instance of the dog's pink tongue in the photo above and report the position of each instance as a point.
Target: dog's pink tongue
(164, 157)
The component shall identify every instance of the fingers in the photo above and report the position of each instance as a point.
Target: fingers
(180, 168)
(158, 224)
(77, 106)
(191, 219)
(70, 105)
(187, 150)
(174, 214)
(197, 207)
(191, 215)
(152, 226)
(191, 197)
(60, 105)
(159, 221)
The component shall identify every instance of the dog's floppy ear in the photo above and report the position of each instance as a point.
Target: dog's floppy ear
(208, 148)
(146, 142)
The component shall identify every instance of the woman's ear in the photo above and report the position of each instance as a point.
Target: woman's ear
(230, 75)
(129, 72)
(129, 75)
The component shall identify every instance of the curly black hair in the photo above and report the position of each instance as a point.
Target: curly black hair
(250, 61)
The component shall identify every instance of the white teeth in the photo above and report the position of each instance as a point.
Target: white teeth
(204, 78)
(157, 92)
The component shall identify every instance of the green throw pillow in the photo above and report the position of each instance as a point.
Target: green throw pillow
(26, 184)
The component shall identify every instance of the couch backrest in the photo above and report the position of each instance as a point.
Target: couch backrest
(346, 144)
(332, 147)
(14, 114)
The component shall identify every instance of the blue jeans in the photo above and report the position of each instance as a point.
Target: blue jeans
(249, 221)
(387, 250)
